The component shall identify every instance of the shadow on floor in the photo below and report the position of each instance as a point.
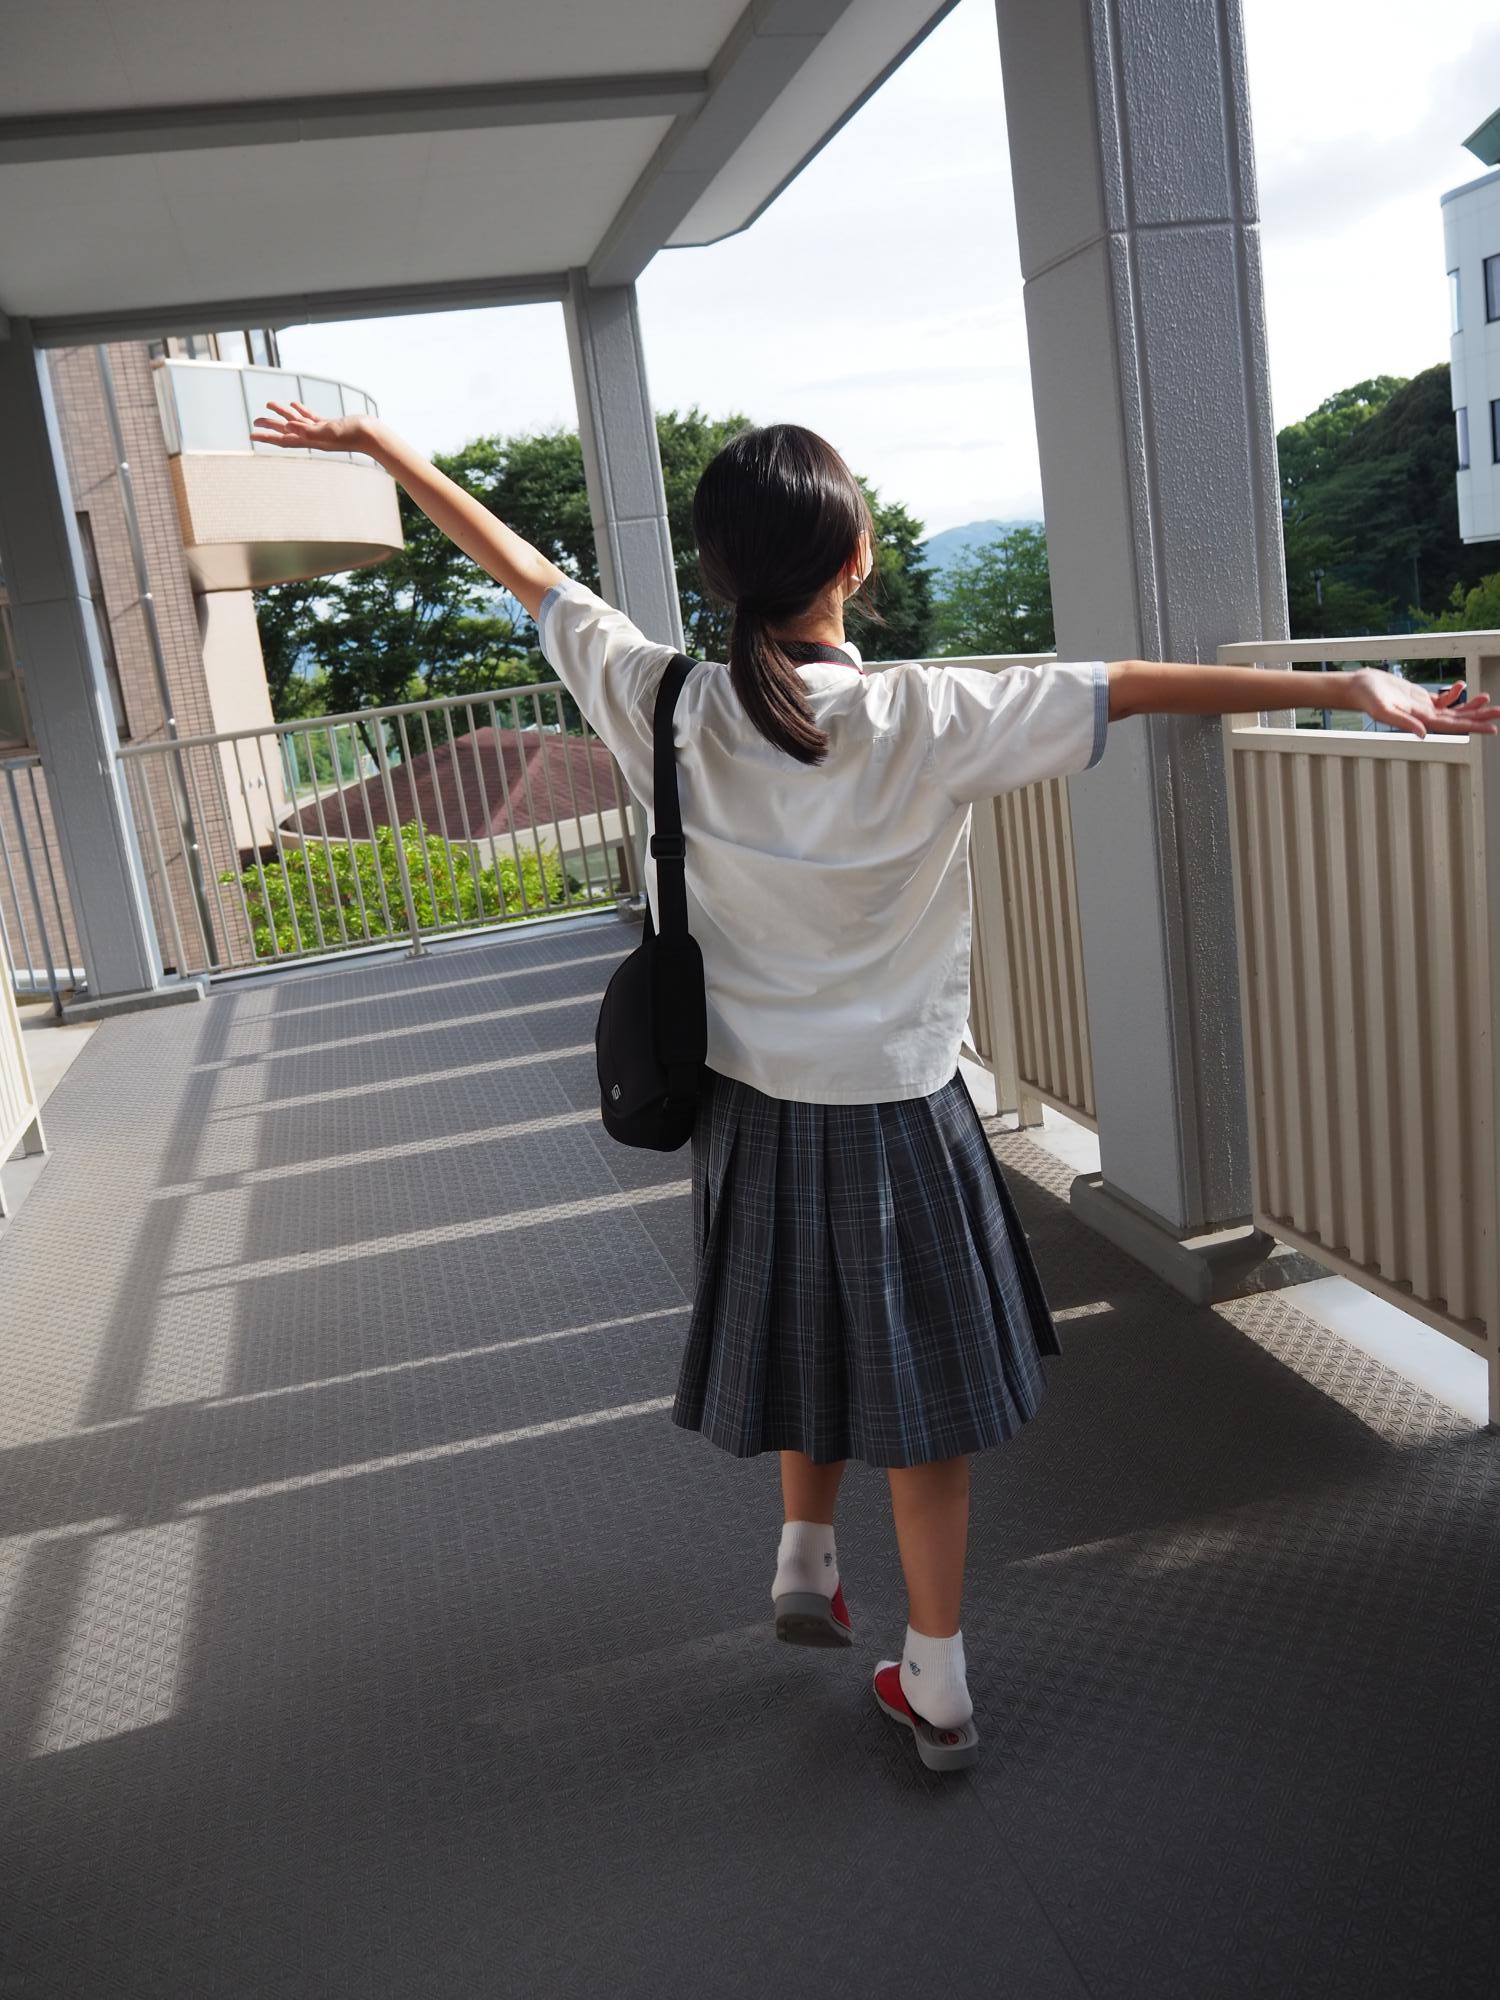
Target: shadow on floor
(366, 1628)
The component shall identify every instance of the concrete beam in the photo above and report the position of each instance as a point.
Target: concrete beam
(168, 128)
(1134, 181)
(763, 52)
(298, 309)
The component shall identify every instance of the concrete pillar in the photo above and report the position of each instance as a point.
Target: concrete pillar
(622, 467)
(67, 695)
(1135, 201)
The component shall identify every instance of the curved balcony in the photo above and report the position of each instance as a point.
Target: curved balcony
(253, 514)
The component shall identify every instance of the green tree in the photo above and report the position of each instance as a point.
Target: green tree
(1473, 610)
(998, 598)
(1369, 499)
(429, 622)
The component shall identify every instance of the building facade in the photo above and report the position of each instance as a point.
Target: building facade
(1471, 240)
(180, 517)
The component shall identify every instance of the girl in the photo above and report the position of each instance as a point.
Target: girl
(864, 1289)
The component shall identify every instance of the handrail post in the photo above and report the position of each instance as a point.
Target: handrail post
(382, 759)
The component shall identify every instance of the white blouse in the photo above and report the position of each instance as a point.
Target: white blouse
(830, 901)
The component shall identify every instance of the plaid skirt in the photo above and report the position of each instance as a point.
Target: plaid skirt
(864, 1287)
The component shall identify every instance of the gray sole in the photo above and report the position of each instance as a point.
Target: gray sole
(803, 1618)
(936, 1756)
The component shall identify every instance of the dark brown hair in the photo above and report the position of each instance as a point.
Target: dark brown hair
(777, 516)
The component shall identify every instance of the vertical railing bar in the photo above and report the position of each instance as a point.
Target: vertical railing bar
(312, 894)
(475, 863)
(442, 812)
(216, 765)
(333, 877)
(475, 872)
(403, 872)
(421, 819)
(358, 752)
(541, 747)
(348, 837)
(536, 839)
(1450, 983)
(510, 817)
(68, 943)
(200, 820)
(476, 752)
(265, 890)
(553, 790)
(36, 900)
(1406, 882)
(163, 878)
(625, 806)
(567, 750)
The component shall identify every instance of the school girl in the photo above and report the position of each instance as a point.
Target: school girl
(864, 1289)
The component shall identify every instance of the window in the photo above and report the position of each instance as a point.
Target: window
(101, 620)
(1492, 287)
(1455, 304)
(1461, 418)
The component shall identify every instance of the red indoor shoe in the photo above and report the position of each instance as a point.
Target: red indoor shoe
(808, 1618)
(939, 1749)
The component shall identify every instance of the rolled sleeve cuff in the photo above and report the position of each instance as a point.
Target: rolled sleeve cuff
(543, 612)
(1101, 711)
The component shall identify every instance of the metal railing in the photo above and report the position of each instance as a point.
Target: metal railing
(401, 823)
(37, 930)
(20, 1115)
(1366, 878)
(211, 405)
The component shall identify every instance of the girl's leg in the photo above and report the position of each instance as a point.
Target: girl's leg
(809, 1492)
(931, 1508)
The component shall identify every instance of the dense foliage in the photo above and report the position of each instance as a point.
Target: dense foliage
(1370, 509)
(998, 598)
(320, 897)
(428, 622)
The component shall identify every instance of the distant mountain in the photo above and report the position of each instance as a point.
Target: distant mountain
(952, 544)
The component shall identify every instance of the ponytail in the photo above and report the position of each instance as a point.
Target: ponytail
(778, 517)
(770, 689)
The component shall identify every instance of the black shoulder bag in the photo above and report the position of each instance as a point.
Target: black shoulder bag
(652, 1036)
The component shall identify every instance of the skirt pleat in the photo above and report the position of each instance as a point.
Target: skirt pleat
(864, 1287)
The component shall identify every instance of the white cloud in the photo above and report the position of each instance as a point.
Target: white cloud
(879, 301)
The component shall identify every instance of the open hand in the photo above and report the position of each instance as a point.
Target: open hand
(300, 429)
(1419, 711)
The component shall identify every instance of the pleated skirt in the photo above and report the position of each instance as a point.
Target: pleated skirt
(864, 1288)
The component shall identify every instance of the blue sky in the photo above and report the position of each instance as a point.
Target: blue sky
(879, 300)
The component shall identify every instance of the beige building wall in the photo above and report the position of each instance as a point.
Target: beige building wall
(240, 699)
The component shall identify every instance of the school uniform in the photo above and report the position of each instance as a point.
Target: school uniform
(864, 1287)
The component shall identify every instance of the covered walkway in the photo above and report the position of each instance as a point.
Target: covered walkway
(367, 1629)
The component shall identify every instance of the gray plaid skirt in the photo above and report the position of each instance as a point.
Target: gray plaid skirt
(864, 1286)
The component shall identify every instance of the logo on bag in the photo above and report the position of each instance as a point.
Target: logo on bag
(827, 1561)
(912, 1667)
(615, 1092)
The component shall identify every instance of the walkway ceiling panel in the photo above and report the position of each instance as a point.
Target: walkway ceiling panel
(177, 165)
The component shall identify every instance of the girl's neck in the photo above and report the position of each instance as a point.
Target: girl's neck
(821, 624)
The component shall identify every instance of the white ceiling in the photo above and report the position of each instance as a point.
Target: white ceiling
(109, 233)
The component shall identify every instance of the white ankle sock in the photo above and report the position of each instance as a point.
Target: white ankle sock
(934, 1679)
(806, 1559)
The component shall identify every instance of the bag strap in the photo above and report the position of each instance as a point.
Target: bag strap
(668, 849)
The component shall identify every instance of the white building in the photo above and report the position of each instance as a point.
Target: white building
(1471, 239)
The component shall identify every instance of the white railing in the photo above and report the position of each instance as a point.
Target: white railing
(402, 823)
(211, 405)
(37, 931)
(1367, 879)
(20, 1116)
(1028, 1009)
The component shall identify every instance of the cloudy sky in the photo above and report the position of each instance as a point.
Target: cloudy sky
(879, 300)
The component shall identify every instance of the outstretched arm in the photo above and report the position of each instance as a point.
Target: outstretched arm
(1153, 687)
(524, 571)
